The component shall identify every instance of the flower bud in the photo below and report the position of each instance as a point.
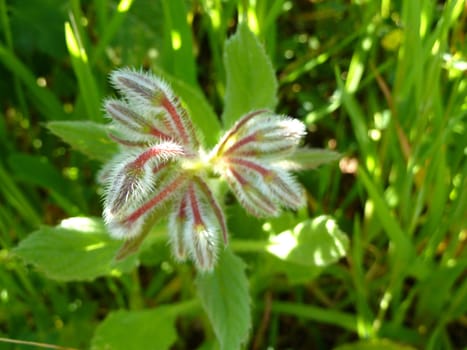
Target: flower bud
(248, 158)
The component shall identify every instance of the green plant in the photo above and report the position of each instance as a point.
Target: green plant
(161, 161)
(382, 82)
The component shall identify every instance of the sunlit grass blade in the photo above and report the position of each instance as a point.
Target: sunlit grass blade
(404, 249)
(110, 28)
(359, 122)
(365, 315)
(82, 69)
(179, 55)
(329, 316)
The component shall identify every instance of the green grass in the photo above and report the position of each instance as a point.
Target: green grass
(382, 82)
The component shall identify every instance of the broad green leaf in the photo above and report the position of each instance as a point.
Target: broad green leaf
(316, 242)
(296, 274)
(225, 298)
(87, 137)
(127, 330)
(309, 158)
(251, 80)
(378, 344)
(78, 249)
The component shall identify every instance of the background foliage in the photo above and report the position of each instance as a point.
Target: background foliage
(382, 82)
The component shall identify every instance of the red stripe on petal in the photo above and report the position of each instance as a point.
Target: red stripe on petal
(236, 128)
(256, 202)
(215, 207)
(194, 205)
(164, 194)
(182, 129)
(246, 140)
(163, 150)
(159, 134)
(251, 165)
(241, 180)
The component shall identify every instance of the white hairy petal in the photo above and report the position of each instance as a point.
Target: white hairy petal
(121, 229)
(151, 95)
(135, 126)
(177, 220)
(200, 233)
(262, 134)
(139, 86)
(255, 201)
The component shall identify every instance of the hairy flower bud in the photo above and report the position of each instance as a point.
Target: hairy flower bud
(248, 156)
(161, 164)
(152, 95)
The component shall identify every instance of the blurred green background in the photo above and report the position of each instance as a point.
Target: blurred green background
(382, 82)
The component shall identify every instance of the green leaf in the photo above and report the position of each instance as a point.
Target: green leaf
(225, 298)
(317, 242)
(78, 249)
(87, 137)
(147, 329)
(251, 80)
(309, 158)
(296, 274)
